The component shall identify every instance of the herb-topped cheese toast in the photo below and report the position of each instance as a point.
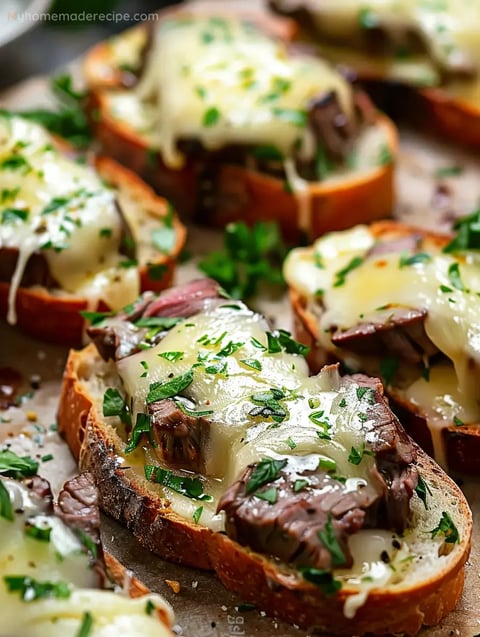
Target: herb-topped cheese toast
(211, 442)
(401, 303)
(55, 579)
(430, 46)
(74, 236)
(229, 121)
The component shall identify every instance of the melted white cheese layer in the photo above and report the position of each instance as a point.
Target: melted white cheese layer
(452, 322)
(221, 81)
(312, 404)
(61, 559)
(448, 28)
(52, 204)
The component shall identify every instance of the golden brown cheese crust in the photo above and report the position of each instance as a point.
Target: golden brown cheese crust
(462, 443)
(241, 193)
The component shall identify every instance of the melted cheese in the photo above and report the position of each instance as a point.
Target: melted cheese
(62, 559)
(51, 204)
(452, 323)
(448, 28)
(221, 81)
(237, 438)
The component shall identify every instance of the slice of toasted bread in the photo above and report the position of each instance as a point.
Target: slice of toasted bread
(30, 295)
(163, 522)
(451, 434)
(231, 190)
(445, 103)
(56, 578)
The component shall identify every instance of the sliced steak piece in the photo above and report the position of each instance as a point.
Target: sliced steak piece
(290, 525)
(330, 125)
(42, 489)
(77, 505)
(392, 331)
(118, 336)
(395, 456)
(181, 438)
(305, 517)
(409, 243)
(184, 300)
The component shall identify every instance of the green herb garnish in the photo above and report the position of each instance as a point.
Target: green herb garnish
(30, 589)
(267, 470)
(250, 256)
(143, 425)
(189, 487)
(169, 388)
(329, 540)
(114, 405)
(17, 467)
(447, 528)
(323, 579)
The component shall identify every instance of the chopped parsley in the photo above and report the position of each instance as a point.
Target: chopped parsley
(15, 466)
(30, 589)
(6, 508)
(268, 405)
(249, 257)
(422, 490)
(282, 340)
(299, 485)
(211, 117)
(253, 363)
(455, 278)
(169, 388)
(86, 625)
(356, 455)
(458, 422)
(449, 171)
(329, 540)
(189, 487)
(265, 471)
(41, 533)
(341, 275)
(420, 257)
(114, 405)
(173, 357)
(323, 579)
(468, 234)
(12, 215)
(447, 528)
(143, 425)
(290, 115)
(55, 204)
(270, 495)
(197, 514)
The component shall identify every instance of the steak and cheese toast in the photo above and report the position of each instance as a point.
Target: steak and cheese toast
(55, 578)
(209, 440)
(401, 303)
(75, 237)
(432, 47)
(228, 120)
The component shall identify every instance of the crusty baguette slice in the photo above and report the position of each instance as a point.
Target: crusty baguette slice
(238, 192)
(455, 442)
(57, 579)
(49, 313)
(445, 105)
(423, 598)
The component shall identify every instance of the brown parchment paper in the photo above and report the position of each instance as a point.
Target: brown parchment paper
(202, 606)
